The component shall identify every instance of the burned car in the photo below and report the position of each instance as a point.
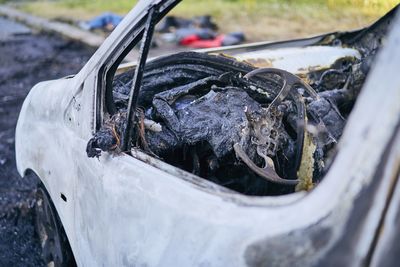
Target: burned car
(265, 154)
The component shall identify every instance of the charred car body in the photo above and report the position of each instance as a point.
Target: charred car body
(208, 111)
(191, 145)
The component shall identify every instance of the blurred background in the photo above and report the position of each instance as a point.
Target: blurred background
(258, 19)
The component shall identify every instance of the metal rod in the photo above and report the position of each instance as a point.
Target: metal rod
(137, 78)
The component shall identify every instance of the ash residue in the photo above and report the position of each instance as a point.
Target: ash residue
(24, 61)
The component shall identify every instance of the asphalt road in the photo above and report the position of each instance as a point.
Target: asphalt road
(26, 58)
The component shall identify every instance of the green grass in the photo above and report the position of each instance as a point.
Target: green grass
(259, 19)
(216, 7)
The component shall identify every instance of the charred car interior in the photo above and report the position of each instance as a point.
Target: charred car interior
(237, 120)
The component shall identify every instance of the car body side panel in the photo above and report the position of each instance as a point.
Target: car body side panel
(388, 248)
(356, 245)
(121, 211)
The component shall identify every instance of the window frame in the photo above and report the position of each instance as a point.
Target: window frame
(104, 101)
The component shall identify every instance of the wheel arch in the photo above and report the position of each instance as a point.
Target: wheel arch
(30, 173)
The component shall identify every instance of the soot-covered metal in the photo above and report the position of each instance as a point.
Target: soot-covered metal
(256, 131)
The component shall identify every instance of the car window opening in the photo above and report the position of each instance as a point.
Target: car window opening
(256, 130)
(137, 80)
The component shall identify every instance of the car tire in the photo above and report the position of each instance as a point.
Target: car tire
(56, 251)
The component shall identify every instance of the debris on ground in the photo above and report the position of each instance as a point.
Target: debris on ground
(106, 22)
(171, 23)
(198, 32)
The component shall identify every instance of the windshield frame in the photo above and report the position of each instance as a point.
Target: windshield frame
(104, 98)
